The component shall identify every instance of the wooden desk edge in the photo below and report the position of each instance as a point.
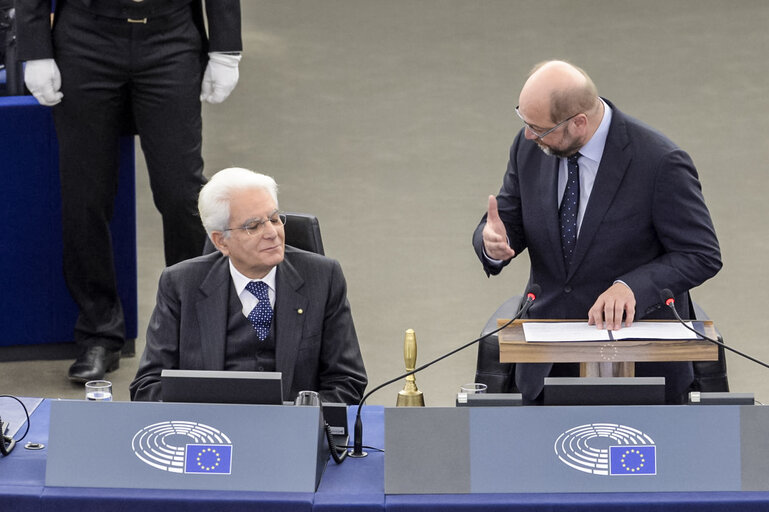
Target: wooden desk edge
(513, 348)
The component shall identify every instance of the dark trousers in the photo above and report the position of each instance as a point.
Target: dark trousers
(113, 71)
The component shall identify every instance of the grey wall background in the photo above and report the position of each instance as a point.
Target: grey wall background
(391, 121)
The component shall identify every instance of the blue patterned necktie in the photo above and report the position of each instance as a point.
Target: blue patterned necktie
(569, 209)
(261, 315)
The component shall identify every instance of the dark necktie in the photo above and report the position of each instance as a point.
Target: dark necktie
(569, 209)
(261, 315)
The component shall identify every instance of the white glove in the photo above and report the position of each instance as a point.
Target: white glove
(43, 81)
(220, 78)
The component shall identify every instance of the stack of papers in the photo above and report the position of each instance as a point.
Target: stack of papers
(580, 331)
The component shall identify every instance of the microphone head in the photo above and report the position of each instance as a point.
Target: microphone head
(667, 297)
(534, 290)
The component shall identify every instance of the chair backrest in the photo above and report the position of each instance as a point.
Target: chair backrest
(302, 232)
(498, 377)
(709, 376)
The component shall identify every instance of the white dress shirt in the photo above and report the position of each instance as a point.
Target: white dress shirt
(247, 298)
(588, 165)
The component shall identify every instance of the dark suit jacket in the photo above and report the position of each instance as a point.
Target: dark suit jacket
(33, 19)
(646, 224)
(316, 349)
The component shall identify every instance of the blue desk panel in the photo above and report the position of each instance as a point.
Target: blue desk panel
(646, 502)
(357, 484)
(30, 256)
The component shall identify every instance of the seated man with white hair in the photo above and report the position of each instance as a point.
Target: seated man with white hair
(255, 304)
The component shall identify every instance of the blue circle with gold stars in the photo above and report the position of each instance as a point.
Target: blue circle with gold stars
(208, 459)
(633, 460)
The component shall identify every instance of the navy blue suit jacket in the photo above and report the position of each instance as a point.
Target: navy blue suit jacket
(646, 224)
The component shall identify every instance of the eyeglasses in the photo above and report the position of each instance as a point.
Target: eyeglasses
(255, 227)
(548, 132)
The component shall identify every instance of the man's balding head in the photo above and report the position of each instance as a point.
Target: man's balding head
(560, 106)
(558, 90)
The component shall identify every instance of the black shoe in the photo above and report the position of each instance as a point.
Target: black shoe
(93, 363)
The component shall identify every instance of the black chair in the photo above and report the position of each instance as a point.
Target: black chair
(302, 232)
(498, 377)
(709, 376)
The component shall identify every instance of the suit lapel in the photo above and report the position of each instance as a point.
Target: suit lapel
(614, 163)
(211, 311)
(290, 306)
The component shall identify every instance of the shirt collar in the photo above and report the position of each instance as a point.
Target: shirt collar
(240, 281)
(595, 146)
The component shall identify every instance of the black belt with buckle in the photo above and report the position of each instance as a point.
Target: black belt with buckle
(131, 11)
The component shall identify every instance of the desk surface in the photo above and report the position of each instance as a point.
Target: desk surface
(357, 484)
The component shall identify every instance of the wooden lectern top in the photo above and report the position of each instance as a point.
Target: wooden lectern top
(513, 348)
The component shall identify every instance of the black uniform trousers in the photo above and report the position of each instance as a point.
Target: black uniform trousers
(113, 70)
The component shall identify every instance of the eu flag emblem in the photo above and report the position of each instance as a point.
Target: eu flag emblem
(633, 460)
(214, 459)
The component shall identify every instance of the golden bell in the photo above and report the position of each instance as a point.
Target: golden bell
(410, 396)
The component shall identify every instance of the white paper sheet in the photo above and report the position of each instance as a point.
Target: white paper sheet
(563, 331)
(556, 332)
(655, 331)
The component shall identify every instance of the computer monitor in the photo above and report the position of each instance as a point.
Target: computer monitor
(222, 387)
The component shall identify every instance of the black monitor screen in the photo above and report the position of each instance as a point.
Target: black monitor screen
(222, 387)
(604, 391)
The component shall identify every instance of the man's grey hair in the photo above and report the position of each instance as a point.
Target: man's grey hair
(215, 196)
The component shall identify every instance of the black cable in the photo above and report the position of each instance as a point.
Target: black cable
(337, 453)
(374, 448)
(357, 451)
(669, 301)
(5, 449)
(310, 398)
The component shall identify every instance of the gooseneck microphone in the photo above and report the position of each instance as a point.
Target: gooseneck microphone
(357, 450)
(667, 298)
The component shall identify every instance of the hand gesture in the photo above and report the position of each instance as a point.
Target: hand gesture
(494, 235)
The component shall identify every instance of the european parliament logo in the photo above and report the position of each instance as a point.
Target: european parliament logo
(607, 449)
(184, 447)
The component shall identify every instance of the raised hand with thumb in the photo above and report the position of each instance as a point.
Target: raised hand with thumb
(494, 235)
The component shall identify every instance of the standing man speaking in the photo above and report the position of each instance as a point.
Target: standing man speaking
(610, 210)
(106, 65)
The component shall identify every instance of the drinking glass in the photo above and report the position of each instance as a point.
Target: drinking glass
(98, 390)
(473, 388)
